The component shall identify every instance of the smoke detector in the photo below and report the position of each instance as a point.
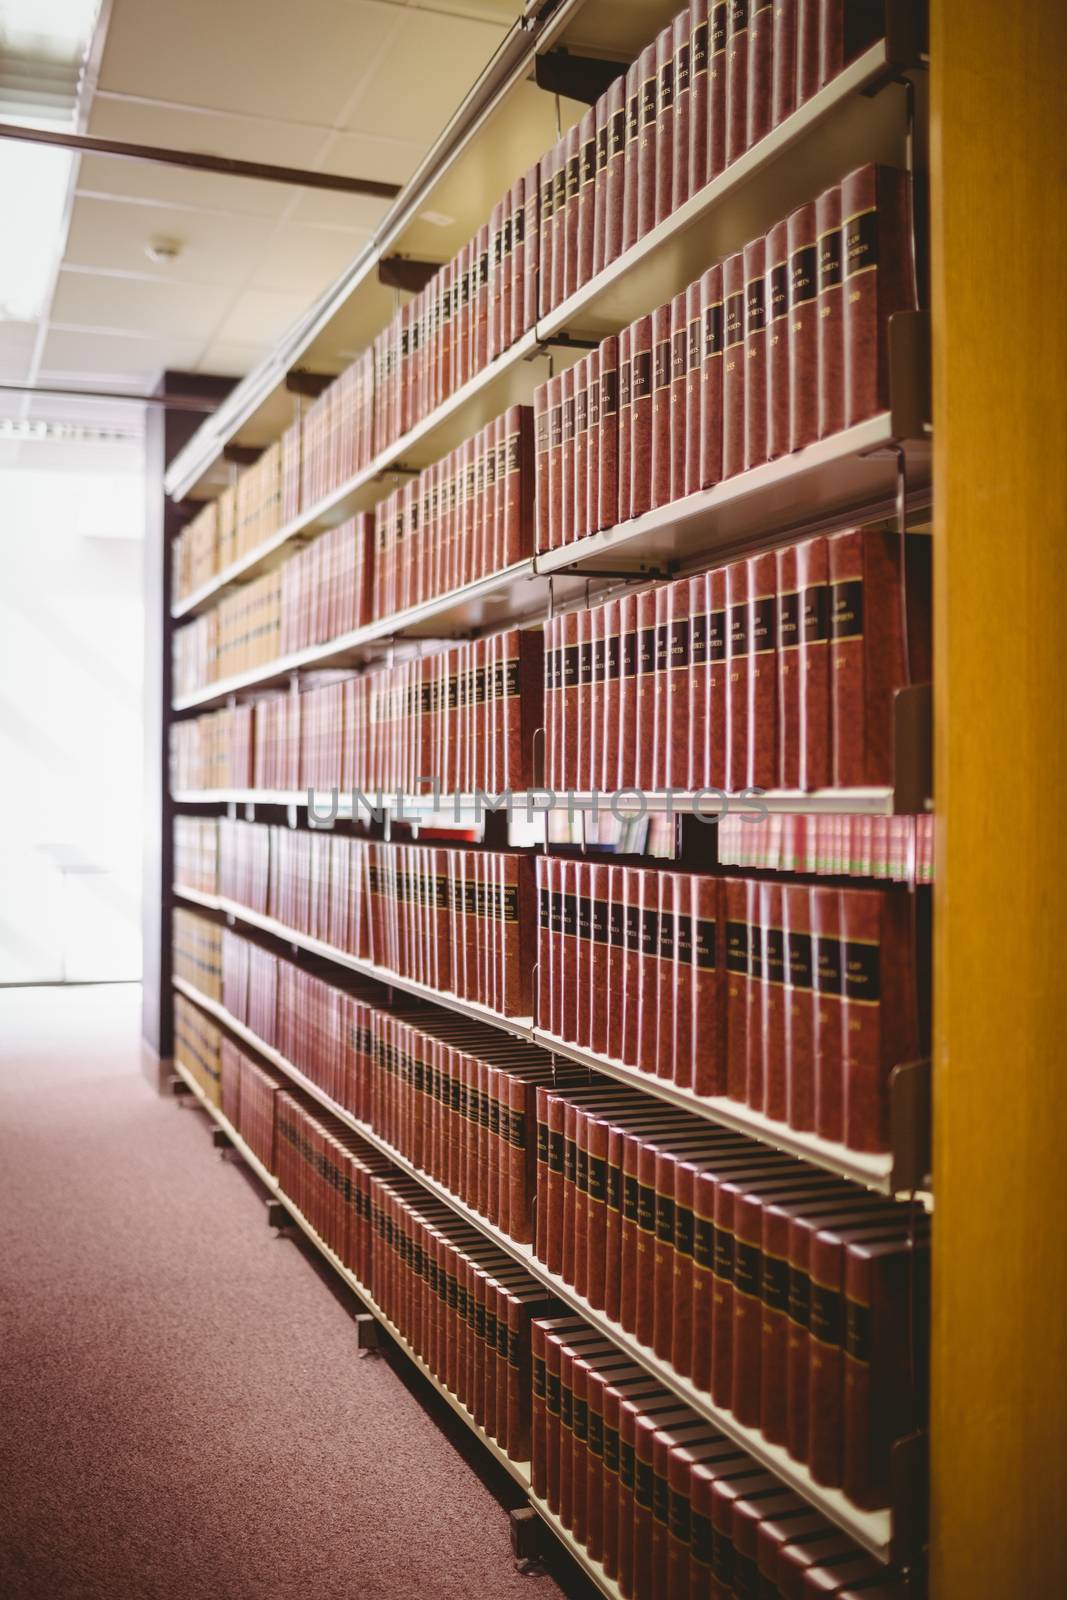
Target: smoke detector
(159, 250)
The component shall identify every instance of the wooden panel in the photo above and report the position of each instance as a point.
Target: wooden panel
(999, 240)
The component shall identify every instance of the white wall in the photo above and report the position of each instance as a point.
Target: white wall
(71, 619)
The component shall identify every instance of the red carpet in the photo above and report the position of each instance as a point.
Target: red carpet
(182, 1408)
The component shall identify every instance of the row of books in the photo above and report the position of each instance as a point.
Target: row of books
(461, 921)
(900, 849)
(198, 1047)
(196, 854)
(796, 1300)
(326, 585)
(215, 750)
(712, 84)
(465, 517)
(796, 1000)
(237, 522)
(239, 634)
(776, 671)
(331, 441)
(782, 343)
(196, 952)
(666, 1503)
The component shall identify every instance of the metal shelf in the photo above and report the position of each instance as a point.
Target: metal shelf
(873, 1530)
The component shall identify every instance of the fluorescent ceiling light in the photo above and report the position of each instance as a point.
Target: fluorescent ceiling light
(33, 181)
(67, 24)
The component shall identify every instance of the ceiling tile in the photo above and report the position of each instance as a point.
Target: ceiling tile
(111, 237)
(109, 359)
(16, 349)
(302, 61)
(133, 305)
(423, 76)
(226, 359)
(306, 260)
(261, 316)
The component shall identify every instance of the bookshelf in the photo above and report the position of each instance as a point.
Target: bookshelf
(877, 470)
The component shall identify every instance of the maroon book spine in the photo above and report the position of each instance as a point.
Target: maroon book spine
(585, 229)
(755, 1086)
(784, 61)
(775, 1077)
(554, 462)
(679, 393)
(681, 1048)
(641, 417)
(632, 969)
(569, 719)
(624, 430)
(647, 141)
(737, 51)
(543, 1010)
(526, 308)
(665, 115)
(737, 935)
(807, 48)
(711, 378)
(828, 1018)
(755, 354)
(566, 455)
(760, 70)
(581, 447)
(589, 492)
(867, 661)
(676, 731)
(602, 147)
(608, 446)
(777, 312)
(878, 266)
(789, 677)
(878, 993)
(814, 664)
(682, 48)
(614, 199)
(733, 378)
(644, 714)
(584, 623)
(546, 232)
(708, 1018)
(661, 406)
(803, 327)
(623, 739)
(689, 453)
(762, 698)
(559, 219)
(698, 95)
(718, 679)
(718, 29)
(830, 312)
(737, 675)
(634, 75)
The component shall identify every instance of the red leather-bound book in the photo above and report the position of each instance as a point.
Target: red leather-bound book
(614, 202)
(737, 52)
(748, 1517)
(738, 645)
(585, 231)
(783, 61)
(481, 311)
(886, 1342)
(518, 444)
(546, 232)
(653, 1444)
(737, 1008)
(688, 439)
(762, 698)
(760, 69)
(673, 892)
(845, 31)
(605, 774)
(733, 378)
(508, 265)
(814, 664)
(718, 666)
(881, 1028)
(641, 377)
(628, 1514)
(625, 430)
(698, 95)
(867, 653)
(570, 1167)
(803, 327)
(661, 407)
(647, 140)
(545, 881)
(789, 674)
(631, 963)
(634, 75)
(718, 31)
(580, 768)
(601, 152)
(594, 718)
(711, 391)
(676, 730)
(661, 708)
(560, 216)
(830, 312)
(799, 1007)
(553, 474)
(644, 708)
(773, 1001)
(664, 200)
(589, 502)
(695, 713)
(567, 420)
(581, 447)
(679, 391)
(879, 271)
(827, 957)
(755, 1052)
(807, 48)
(708, 1032)
(526, 306)
(624, 739)
(650, 890)
(777, 340)
(682, 50)
(608, 443)
(567, 999)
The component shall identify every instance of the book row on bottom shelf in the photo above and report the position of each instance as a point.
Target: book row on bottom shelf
(789, 1298)
(639, 1482)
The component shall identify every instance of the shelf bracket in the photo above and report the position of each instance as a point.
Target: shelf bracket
(401, 272)
(583, 78)
(910, 1126)
(242, 455)
(913, 732)
(309, 385)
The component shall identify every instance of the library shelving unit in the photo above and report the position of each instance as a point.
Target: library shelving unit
(874, 110)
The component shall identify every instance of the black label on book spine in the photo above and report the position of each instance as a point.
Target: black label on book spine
(788, 621)
(830, 260)
(755, 306)
(861, 243)
(827, 1314)
(776, 1284)
(641, 375)
(862, 972)
(799, 954)
(828, 965)
(737, 948)
(858, 1331)
(803, 284)
(846, 609)
(699, 56)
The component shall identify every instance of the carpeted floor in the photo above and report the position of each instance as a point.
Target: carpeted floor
(182, 1409)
